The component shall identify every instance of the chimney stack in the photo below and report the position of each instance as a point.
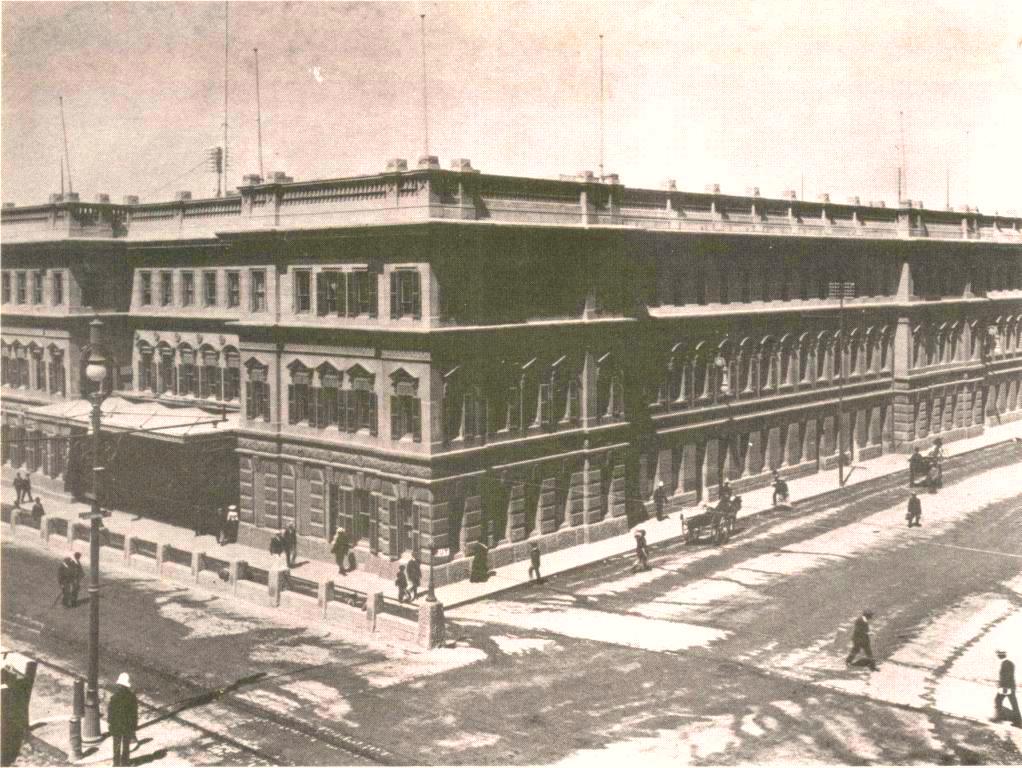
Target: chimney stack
(184, 194)
(612, 178)
(71, 197)
(102, 197)
(752, 191)
(131, 200)
(8, 206)
(429, 162)
(397, 165)
(670, 185)
(587, 176)
(251, 180)
(853, 200)
(789, 194)
(712, 189)
(279, 177)
(462, 165)
(56, 197)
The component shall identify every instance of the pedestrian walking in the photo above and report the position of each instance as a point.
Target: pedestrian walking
(77, 574)
(19, 485)
(402, 584)
(231, 526)
(291, 545)
(26, 487)
(64, 571)
(659, 498)
(277, 547)
(534, 563)
(1006, 690)
(860, 641)
(480, 564)
(916, 466)
(37, 510)
(122, 718)
(339, 547)
(414, 572)
(641, 552)
(780, 489)
(914, 515)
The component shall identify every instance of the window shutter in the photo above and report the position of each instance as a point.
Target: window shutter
(249, 401)
(416, 417)
(395, 417)
(572, 412)
(321, 293)
(371, 401)
(313, 407)
(413, 283)
(292, 406)
(351, 291)
(395, 287)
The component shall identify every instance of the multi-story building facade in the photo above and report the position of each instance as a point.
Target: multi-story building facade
(442, 357)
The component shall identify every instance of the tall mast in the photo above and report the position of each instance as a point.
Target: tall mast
(259, 115)
(226, 52)
(425, 95)
(601, 107)
(67, 154)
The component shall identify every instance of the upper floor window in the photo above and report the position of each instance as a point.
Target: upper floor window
(258, 290)
(22, 287)
(257, 393)
(147, 373)
(299, 395)
(37, 287)
(362, 298)
(232, 374)
(146, 279)
(57, 375)
(405, 408)
(187, 380)
(303, 290)
(233, 289)
(6, 287)
(187, 288)
(39, 363)
(209, 289)
(330, 293)
(58, 288)
(166, 289)
(405, 300)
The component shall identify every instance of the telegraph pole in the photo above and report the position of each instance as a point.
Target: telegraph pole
(840, 291)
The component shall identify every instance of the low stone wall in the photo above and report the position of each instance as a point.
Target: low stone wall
(270, 589)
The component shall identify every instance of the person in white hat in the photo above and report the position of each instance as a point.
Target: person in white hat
(122, 717)
(659, 499)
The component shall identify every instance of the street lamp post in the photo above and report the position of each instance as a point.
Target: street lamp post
(725, 390)
(841, 291)
(431, 594)
(96, 372)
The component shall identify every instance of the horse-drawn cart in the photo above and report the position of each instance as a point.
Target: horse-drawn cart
(716, 522)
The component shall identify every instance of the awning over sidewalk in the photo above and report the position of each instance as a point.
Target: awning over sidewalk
(149, 418)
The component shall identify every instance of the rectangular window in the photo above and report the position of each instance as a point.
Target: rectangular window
(7, 288)
(209, 289)
(303, 288)
(233, 289)
(258, 290)
(405, 420)
(187, 288)
(146, 279)
(362, 292)
(404, 294)
(22, 287)
(57, 375)
(328, 401)
(257, 395)
(40, 372)
(166, 289)
(58, 289)
(331, 292)
(298, 398)
(232, 375)
(209, 375)
(167, 372)
(37, 287)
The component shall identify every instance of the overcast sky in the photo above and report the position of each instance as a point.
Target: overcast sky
(749, 94)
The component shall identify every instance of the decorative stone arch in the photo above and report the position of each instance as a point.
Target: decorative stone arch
(807, 359)
(788, 356)
(768, 365)
(824, 356)
(703, 371)
(610, 387)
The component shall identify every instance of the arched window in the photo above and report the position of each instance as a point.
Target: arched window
(746, 383)
(702, 371)
(257, 391)
(405, 407)
(300, 403)
(789, 361)
(147, 372)
(210, 378)
(855, 354)
(824, 351)
(166, 370)
(327, 397)
(232, 374)
(38, 366)
(187, 378)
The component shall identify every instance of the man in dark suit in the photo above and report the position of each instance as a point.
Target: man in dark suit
(915, 511)
(414, 573)
(860, 641)
(534, 563)
(1006, 690)
(123, 718)
(659, 499)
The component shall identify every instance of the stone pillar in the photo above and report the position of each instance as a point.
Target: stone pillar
(324, 595)
(711, 469)
(516, 511)
(617, 501)
(793, 449)
(374, 605)
(689, 467)
(276, 584)
(235, 570)
(902, 348)
(810, 443)
(431, 630)
(774, 449)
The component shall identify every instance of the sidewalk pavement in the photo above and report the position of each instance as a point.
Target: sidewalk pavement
(509, 576)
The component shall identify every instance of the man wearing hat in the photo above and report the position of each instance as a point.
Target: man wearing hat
(534, 563)
(123, 718)
(659, 497)
(914, 515)
(860, 640)
(1006, 690)
(641, 552)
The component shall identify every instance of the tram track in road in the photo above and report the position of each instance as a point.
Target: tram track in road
(203, 695)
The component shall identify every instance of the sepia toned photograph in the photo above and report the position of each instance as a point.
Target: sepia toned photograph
(492, 383)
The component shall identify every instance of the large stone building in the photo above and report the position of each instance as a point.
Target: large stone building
(438, 357)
